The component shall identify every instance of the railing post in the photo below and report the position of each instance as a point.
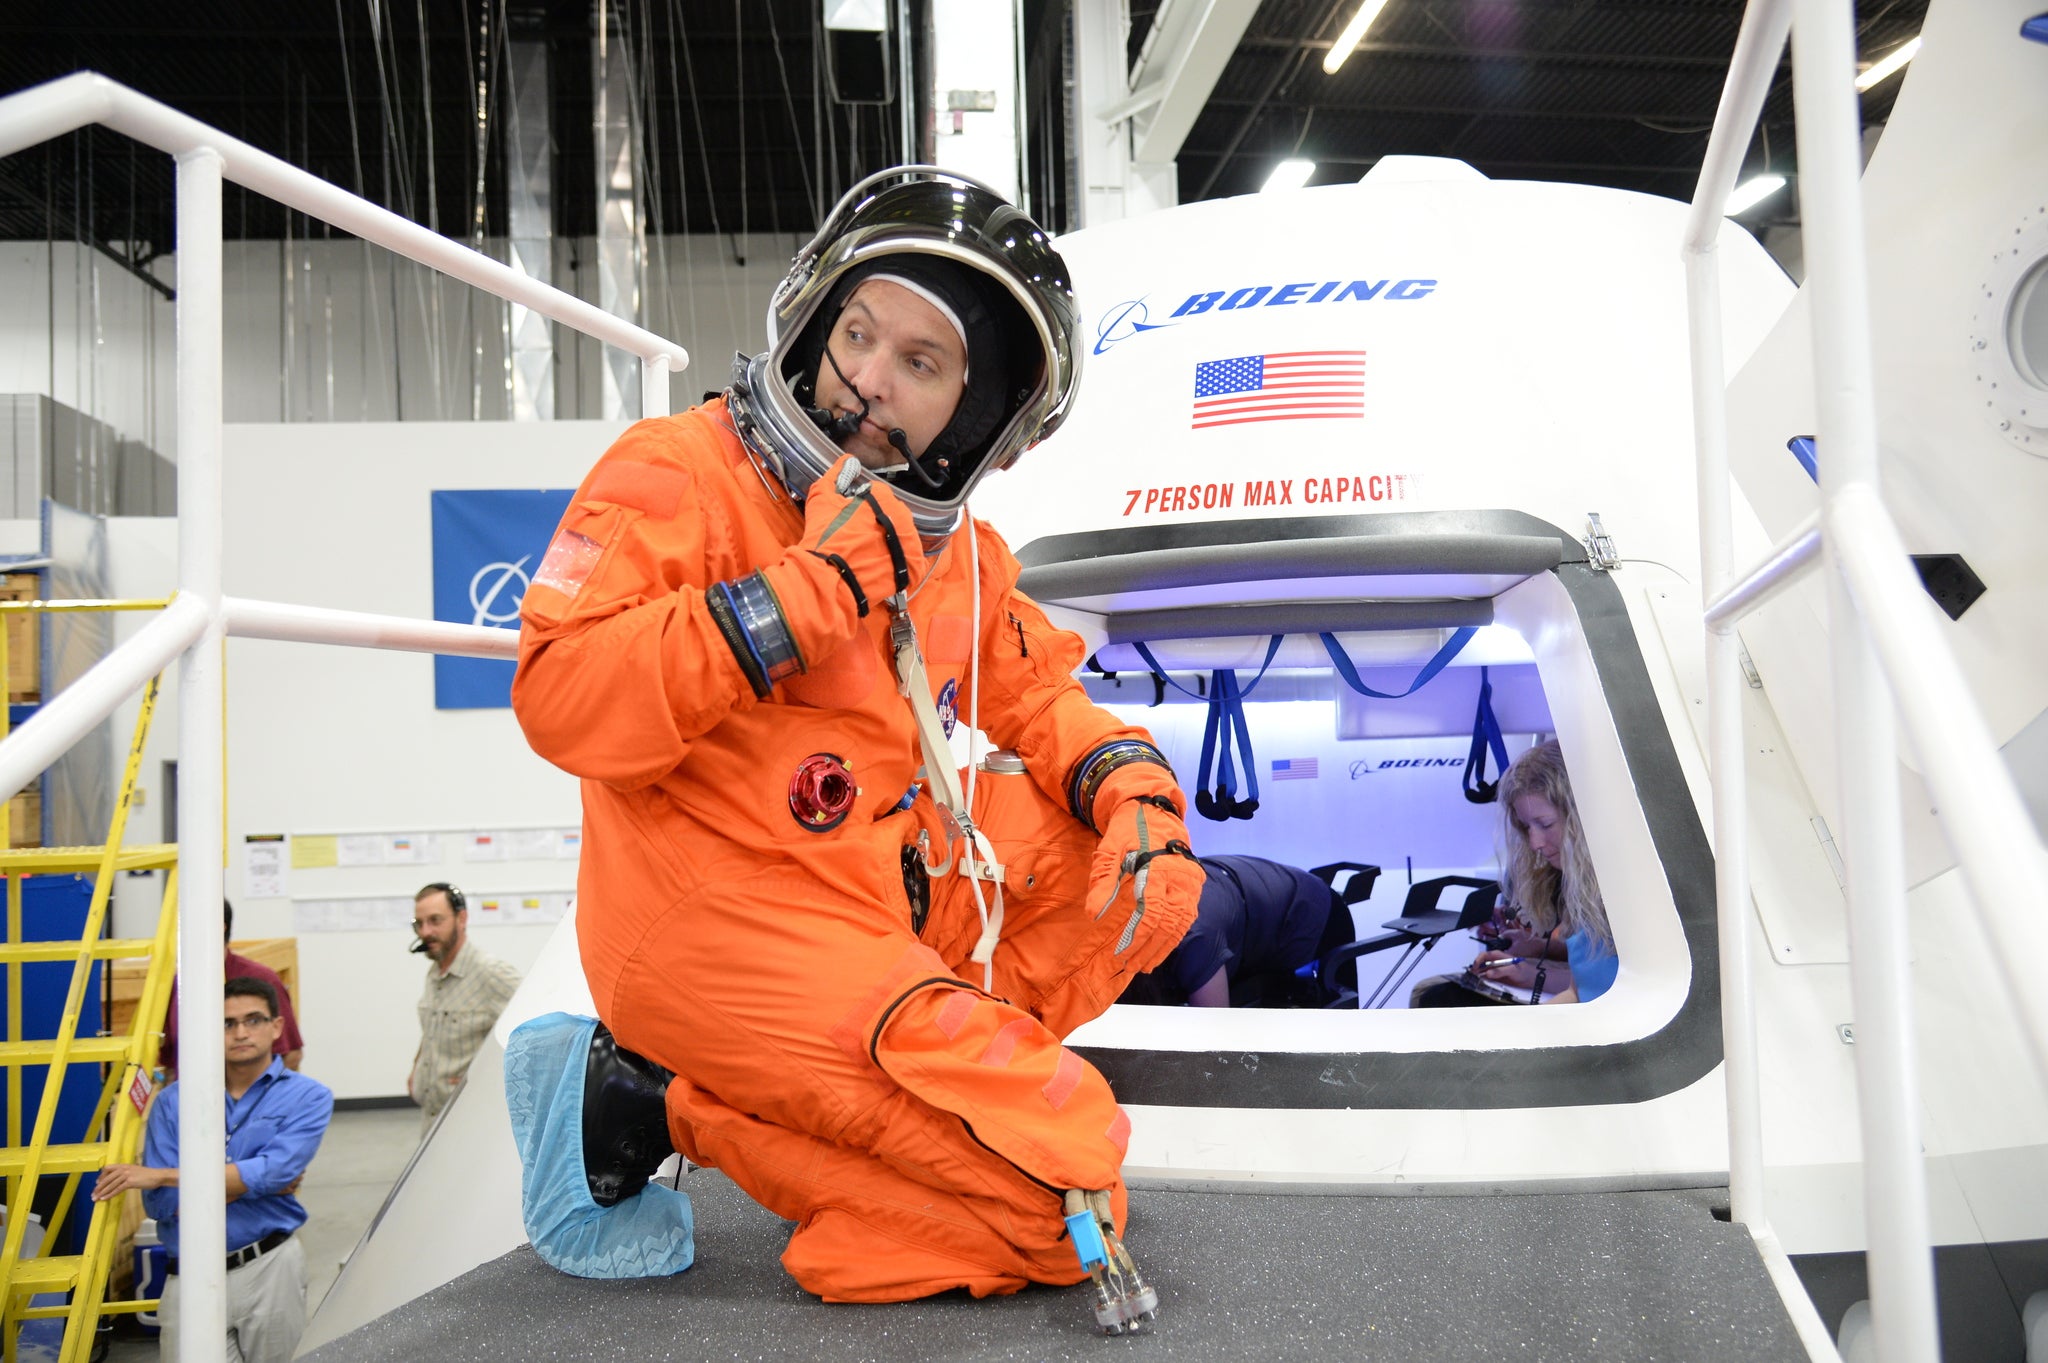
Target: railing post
(654, 386)
(1750, 72)
(1725, 743)
(202, 1105)
(1899, 1260)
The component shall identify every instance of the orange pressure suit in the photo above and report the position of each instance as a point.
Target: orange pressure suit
(919, 1130)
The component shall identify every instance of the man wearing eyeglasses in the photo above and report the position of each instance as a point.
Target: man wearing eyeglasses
(466, 989)
(275, 1119)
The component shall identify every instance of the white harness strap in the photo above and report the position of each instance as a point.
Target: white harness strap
(967, 847)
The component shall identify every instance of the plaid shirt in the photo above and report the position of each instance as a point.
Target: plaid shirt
(457, 1009)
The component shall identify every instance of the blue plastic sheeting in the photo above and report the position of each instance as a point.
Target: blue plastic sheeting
(645, 1236)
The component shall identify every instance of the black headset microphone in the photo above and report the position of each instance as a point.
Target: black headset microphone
(456, 904)
(843, 425)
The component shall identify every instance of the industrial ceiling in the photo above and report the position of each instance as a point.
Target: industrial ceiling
(742, 135)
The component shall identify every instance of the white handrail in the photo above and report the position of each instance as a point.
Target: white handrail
(1828, 127)
(246, 619)
(1982, 814)
(193, 627)
(82, 706)
(1751, 68)
(1787, 561)
(1888, 654)
(61, 106)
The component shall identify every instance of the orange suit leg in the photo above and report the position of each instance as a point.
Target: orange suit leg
(869, 1082)
(867, 1232)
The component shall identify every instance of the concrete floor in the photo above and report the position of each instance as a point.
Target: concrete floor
(357, 1164)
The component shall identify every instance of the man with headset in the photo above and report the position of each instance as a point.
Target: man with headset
(750, 638)
(466, 989)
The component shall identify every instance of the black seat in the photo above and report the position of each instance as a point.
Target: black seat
(1420, 927)
(1336, 972)
(1421, 917)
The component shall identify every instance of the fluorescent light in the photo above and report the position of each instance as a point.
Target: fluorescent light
(1292, 173)
(1888, 65)
(1752, 192)
(1353, 34)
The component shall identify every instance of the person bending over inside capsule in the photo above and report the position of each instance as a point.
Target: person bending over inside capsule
(742, 638)
(1259, 922)
(1548, 875)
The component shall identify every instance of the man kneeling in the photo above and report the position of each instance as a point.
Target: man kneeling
(749, 638)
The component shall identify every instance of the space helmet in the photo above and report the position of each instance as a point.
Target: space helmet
(959, 244)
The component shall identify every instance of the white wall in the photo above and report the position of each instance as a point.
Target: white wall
(324, 740)
(329, 740)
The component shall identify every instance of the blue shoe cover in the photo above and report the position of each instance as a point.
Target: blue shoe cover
(645, 1236)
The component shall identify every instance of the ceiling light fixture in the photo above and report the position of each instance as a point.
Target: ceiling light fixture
(1752, 192)
(1888, 65)
(1353, 34)
(1292, 173)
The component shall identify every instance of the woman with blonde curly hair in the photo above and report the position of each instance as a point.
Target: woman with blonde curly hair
(1547, 875)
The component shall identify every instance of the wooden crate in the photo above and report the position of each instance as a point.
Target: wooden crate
(24, 652)
(25, 818)
(125, 978)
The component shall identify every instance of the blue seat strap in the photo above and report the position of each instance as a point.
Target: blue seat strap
(1452, 647)
(1235, 709)
(1485, 735)
(1160, 672)
(1226, 738)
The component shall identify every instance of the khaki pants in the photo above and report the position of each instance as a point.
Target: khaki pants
(266, 1308)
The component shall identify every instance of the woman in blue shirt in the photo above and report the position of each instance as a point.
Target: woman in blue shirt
(1547, 874)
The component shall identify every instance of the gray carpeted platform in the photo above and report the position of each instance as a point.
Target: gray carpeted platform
(1561, 1278)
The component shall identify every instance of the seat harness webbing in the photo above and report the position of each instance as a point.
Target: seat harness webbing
(1485, 735)
(1226, 739)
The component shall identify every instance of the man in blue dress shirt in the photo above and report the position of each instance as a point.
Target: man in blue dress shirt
(275, 1120)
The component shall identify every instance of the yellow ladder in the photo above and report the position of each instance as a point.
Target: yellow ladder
(130, 1060)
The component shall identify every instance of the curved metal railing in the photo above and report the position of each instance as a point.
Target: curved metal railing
(192, 627)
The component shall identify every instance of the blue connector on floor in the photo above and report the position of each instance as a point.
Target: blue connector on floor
(1087, 1240)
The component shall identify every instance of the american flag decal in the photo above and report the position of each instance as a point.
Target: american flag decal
(1287, 386)
(1294, 769)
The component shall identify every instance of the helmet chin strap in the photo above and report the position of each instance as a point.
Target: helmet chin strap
(842, 425)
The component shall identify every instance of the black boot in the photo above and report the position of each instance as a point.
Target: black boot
(625, 1120)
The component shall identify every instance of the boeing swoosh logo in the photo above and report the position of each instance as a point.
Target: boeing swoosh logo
(1122, 322)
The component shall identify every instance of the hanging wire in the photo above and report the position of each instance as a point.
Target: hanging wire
(372, 320)
(648, 145)
(683, 186)
(305, 271)
(704, 159)
(286, 319)
(739, 62)
(393, 149)
(484, 60)
(817, 124)
(394, 121)
(431, 280)
(803, 160)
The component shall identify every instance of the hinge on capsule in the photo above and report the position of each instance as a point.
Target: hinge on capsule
(1749, 672)
(1600, 545)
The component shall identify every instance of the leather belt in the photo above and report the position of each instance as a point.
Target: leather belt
(248, 1253)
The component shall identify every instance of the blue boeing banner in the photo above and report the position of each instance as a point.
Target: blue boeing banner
(487, 546)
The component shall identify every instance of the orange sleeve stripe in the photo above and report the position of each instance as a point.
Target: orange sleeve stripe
(1004, 1043)
(1065, 1079)
(1119, 1133)
(954, 1015)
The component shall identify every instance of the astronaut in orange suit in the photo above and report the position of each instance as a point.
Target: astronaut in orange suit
(745, 633)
